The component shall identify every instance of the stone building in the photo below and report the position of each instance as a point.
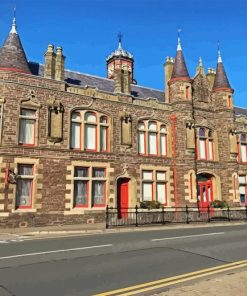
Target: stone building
(72, 143)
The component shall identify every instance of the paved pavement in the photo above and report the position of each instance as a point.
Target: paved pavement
(90, 264)
(232, 283)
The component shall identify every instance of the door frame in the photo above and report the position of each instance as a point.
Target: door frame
(122, 213)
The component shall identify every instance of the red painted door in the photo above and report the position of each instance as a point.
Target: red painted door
(123, 197)
(205, 194)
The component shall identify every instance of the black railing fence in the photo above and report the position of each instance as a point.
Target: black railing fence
(117, 217)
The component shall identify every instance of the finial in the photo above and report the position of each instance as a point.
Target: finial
(120, 36)
(13, 29)
(200, 62)
(179, 41)
(219, 54)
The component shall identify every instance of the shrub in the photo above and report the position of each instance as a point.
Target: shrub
(219, 204)
(150, 204)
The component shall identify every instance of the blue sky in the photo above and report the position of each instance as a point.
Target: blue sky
(87, 30)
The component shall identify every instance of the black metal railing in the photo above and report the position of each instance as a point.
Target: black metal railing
(117, 217)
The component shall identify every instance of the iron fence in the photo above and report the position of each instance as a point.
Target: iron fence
(117, 217)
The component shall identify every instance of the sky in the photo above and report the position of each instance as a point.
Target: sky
(87, 30)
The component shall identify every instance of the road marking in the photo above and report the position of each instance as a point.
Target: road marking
(55, 251)
(137, 289)
(187, 236)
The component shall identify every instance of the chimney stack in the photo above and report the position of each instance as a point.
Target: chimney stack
(59, 68)
(50, 62)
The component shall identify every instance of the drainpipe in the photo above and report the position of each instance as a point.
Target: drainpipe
(173, 125)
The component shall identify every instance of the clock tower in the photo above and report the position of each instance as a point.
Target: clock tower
(120, 59)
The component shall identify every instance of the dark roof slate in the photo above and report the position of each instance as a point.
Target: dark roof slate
(240, 111)
(101, 83)
(221, 80)
(12, 55)
(179, 68)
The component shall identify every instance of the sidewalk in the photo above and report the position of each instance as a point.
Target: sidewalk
(232, 283)
(99, 228)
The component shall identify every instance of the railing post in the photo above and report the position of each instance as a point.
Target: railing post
(163, 215)
(136, 216)
(228, 214)
(106, 217)
(208, 213)
(187, 215)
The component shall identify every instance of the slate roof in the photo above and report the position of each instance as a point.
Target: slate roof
(12, 55)
(101, 83)
(221, 80)
(240, 111)
(179, 68)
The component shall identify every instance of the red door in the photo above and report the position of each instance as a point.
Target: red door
(205, 194)
(123, 197)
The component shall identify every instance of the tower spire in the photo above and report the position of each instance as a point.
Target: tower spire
(219, 54)
(120, 36)
(179, 47)
(14, 26)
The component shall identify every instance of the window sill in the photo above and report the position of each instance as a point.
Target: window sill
(80, 211)
(24, 211)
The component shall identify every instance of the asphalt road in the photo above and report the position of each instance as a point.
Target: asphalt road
(90, 264)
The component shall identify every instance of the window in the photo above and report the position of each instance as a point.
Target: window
(89, 187)
(89, 131)
(242, 180)
(154, 186)
(27, 130)
(205, 144)
(152, 138)
(24, 186)
(242, 148)
(1, 121)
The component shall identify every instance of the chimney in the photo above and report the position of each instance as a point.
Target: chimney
(126, 80)
(122, 78)
(168, 68)
(211, 76)
(50, 62)
(59, 67)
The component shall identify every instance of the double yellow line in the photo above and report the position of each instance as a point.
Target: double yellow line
(137, 289)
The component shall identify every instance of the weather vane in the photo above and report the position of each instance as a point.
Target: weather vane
(120, 36)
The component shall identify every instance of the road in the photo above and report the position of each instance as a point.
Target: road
(91, 264)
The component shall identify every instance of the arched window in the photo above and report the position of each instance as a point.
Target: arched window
(242, 148)
(152, 138)
(205, 144)
(89, 131)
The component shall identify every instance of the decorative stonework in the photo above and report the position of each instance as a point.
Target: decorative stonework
(190, 135)
(55, 120)
(190, 186)
(126, 128)
(30, 101)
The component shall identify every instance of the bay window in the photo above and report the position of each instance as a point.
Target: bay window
(154, 186)
(89, 131)
(152, 138)
(27, 130)
(24, 186)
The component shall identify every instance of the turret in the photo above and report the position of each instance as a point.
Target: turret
(221, 88)
(120, 59)
(180, 82)
(12, 54)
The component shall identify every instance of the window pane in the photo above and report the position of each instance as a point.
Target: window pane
(147, 192)
(103, 119)
(23, 193)
(201, 132)
(80, 193)
(242, 189)
(147, 175)
(25, 170)
(202, 149)
(161, 176)
(141, 126)
(76, 135)
(29, 113)
(243, 138)
(76, 116)
(152, 126)
(243, 153)
(90, 137)
(141, 142)
(161, 193)
(210, 150)
(162, 129)
(98, 173)
(242, 179)
(27, 131)
(90, 117)
(152, 143)
(81, 172)
(163, 144)
(98, 193)
(103, 138)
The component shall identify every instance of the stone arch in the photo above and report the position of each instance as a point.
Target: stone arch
(216, 184)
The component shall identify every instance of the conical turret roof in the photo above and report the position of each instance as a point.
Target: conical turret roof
(12, 55)
(221, 81)
(179, 69)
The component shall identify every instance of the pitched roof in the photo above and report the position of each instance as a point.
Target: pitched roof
(221, 80)
(103, 84)
(12, 55)
(240, 111)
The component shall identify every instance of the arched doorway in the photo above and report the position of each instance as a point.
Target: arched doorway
(204, 190)
(123, 197)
